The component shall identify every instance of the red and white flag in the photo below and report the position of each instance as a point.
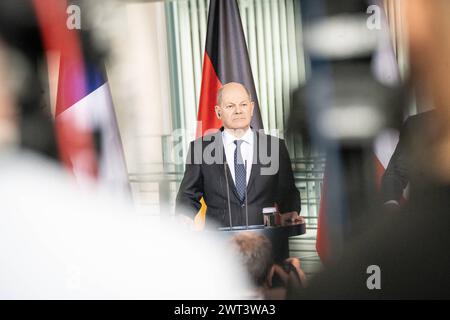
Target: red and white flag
(84, 109)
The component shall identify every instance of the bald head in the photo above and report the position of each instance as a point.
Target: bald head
(232, 86)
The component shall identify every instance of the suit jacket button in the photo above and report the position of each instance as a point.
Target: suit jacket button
(243, 205)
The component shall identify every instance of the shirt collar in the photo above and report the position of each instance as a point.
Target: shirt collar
(228, 138)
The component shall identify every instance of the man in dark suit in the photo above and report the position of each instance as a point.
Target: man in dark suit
(417, 128)
(237, 169)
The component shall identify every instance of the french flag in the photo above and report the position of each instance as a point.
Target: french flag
(86, 128)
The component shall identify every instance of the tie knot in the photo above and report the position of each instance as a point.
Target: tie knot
(238, 142)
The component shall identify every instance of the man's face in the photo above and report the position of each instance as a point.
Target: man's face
(236, 108)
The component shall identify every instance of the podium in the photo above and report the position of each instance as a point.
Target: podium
(278, 236)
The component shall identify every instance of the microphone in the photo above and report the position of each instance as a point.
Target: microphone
(228, 193)
(246, 203)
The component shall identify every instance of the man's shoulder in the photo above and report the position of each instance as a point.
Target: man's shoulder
(207, 139)
(261, 135)
(217, 136)
(420, 119)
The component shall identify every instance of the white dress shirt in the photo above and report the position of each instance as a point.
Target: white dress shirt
(246, 150)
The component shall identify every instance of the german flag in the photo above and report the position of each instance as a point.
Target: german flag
(226, 60)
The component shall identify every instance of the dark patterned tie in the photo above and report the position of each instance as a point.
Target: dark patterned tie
(239, 171)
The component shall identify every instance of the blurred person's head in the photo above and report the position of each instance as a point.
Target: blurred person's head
(428, 29)
(234, 106)
(255, 254)
(24, 77)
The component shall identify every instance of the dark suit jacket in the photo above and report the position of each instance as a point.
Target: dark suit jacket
(417, 130)
(208, 179)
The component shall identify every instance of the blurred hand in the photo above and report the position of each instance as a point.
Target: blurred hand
(295, 262)
(280, 272)
(294, 275)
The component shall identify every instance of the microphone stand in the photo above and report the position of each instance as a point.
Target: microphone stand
(246, 202)
(228, 194)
